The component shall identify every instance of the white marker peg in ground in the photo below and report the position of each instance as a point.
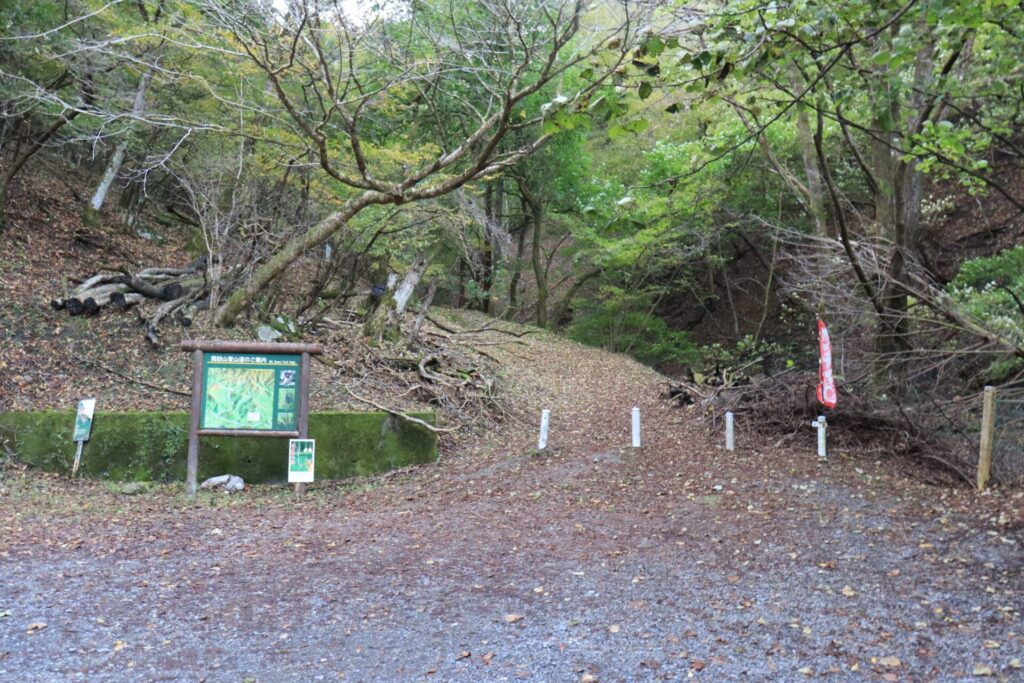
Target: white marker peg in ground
(636, 427)
(545, 420)
(822, 426)
(730, 435)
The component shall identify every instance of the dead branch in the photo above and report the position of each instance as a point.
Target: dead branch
(142, 382)
(399, 414)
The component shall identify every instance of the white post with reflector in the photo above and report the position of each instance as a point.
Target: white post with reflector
(545, 421)
(636, 427)
(730, 435)
(822, 424)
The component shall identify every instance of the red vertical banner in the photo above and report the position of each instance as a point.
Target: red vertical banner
(826, 381)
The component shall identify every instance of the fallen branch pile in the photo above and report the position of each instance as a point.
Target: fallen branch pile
(445, 372)
(783, 406)
(180, 293)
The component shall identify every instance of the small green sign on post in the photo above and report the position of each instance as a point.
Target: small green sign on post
(83, 419)
(83, 427)
(248, 389)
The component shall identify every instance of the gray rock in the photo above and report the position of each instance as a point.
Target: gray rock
(228, 482)
(267, 333)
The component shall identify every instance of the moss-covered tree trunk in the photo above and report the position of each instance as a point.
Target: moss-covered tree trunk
(383, 321)
(291, 251)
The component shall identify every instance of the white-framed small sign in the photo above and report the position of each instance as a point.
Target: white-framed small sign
(301, 460)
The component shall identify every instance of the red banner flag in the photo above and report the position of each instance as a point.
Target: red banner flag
(826, 381)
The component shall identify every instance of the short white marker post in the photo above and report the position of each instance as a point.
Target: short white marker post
(730, 435)
(822, 426)
(545, 420)
(636, 427)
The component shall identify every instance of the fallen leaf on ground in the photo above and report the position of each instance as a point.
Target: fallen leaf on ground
(513, 618)
(891, 662)
(848, 591)
(614, 628)
(35, 627)
(982, 670)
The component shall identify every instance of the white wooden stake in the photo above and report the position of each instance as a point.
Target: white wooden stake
(822, 426)
(545, 420)
(730, 436)
(636, 427)
(78, 459)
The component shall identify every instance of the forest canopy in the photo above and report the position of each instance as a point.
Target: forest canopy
(689, 182)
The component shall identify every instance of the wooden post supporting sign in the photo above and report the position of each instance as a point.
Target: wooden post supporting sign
(988, 428)
(300, 487)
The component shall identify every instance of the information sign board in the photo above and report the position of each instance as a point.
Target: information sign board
(250, 391)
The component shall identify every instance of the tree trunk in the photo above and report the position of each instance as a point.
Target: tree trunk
(414, 333)
(383, 320)
(815, 184)
(114, 167)
(492, 199)
(561, 312)
(517, 271)
(460, 292)
(540, 272)
(409, 282)
(292, 250)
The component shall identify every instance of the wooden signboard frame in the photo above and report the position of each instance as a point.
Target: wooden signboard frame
(199, 350)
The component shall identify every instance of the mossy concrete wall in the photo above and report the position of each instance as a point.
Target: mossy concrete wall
(147, 446)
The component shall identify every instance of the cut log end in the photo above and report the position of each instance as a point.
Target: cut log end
(90, 306)
(172, 291)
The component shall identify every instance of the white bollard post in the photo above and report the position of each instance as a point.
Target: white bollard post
(730, 436)
(545, 420)
(822, 426)
(636, 427)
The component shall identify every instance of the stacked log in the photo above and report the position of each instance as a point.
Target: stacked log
(179, 292)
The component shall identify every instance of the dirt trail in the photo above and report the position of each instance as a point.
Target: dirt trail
(593, 561)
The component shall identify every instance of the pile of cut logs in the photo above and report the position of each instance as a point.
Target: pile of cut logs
(180, 291)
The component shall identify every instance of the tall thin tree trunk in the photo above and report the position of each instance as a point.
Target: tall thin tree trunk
(114, 167)
(815, 184)
(540, 272)
(517, 271)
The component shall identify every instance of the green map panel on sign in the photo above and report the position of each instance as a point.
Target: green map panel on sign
(250, 392)
(239, 398)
